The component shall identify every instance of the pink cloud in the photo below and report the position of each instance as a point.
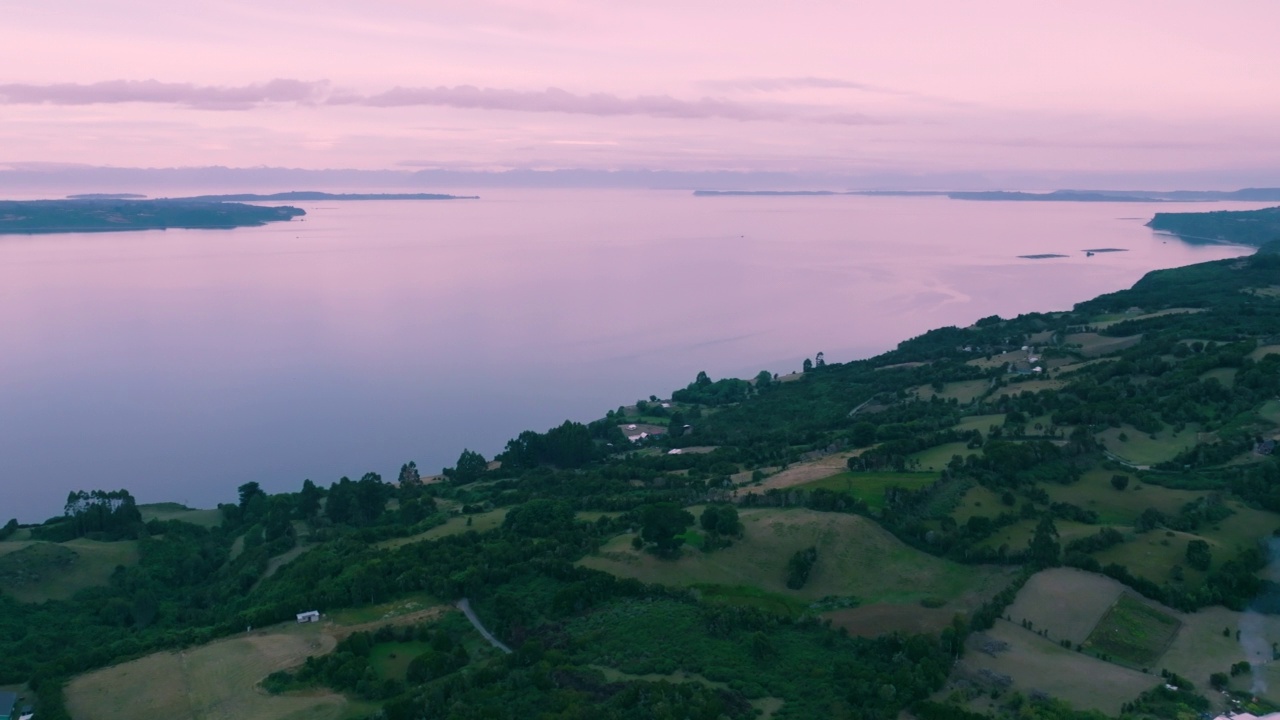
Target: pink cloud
(153, 91)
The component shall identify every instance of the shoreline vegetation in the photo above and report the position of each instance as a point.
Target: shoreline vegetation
(121, 212)
(1143, 196)
(972, 547)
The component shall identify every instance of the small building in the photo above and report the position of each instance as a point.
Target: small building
(309, 616)
(27, 713)
(7, 701)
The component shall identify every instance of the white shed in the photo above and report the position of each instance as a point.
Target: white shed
(309, 616)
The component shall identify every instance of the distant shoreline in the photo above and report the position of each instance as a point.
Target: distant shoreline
(1106, 196)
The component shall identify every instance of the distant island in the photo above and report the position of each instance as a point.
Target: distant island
(1126, 196)
(301, 195)
(1041, 256)
(30, 217)
(106, 196)
(1236, 227)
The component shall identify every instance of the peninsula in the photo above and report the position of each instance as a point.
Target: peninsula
(1235, 227)
(31, 217)
(303, 195)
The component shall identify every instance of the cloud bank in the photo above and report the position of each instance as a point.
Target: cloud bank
(468, 97)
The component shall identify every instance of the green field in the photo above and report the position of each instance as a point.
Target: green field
(385, 612)
(1140, 448)
(978, 500)
(869, 487)
(936, 458)
(176, 511)
(1270, 411)
(1264, 351)
(1152, 555)
(1226, 376)
(456, 525)
(855, 558)
(35, 571)
(1133, 632)
(1119, 507)
(962, 391)
(218, 680)
(1066, 602)
(391, 659)
(981, 423)
(1095, 345)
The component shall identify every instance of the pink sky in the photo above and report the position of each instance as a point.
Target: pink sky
(909, 87)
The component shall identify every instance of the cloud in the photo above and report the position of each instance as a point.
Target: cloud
(467, 97)
(205, 97)
(780, 84)
(555, 100)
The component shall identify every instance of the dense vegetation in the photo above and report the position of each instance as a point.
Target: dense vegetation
(114, 215)
(1029, 470)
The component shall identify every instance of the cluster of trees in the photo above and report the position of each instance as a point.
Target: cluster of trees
(97, 514)
(800, 566)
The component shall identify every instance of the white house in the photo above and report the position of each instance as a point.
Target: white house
(309, 616)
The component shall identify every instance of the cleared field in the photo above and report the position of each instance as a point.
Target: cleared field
(393, 612)
(391, 660)
(218, 680)
(1226, 376)
(1140, 448)
(1035, 663)
(1066, 602)
(1018, 535)
(981, 423)
(1134, 632)
(936, 458)
(1094, 345)
(1152, 555)
(176, 511)
(1031, 386)
(1109, 320)
(869, 487)
(855, 558)
(1240, 531)
(978, 500)
(1270, 411)
(456, 525)
(997, 360)
(1119, 507)
(1201, 649)
(1264, 351)
(962, 391)
(801, 473)
(39, 571)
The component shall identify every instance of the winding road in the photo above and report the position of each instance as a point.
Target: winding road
(465, 607)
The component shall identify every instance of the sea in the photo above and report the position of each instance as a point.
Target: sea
(180, 364)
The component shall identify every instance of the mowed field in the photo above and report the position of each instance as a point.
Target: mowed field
(456, 525)
(211, 682)
(1140, 448)
(856, 558)
(48, 572)
(1095, 492)
(869, 487)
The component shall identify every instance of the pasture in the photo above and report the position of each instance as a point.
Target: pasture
(1065, 601)
(1130, 444)
(1153, 554)
(37, 571)
(855, 558)
(962, 391)
(869, 487)
(981, 423)
(176, 511)
(390, 660)
(456, 525)
(1094, 345)
(1226, 376)
(1264, 351)
(1036, 663)
(1093, 491)
(218, 680)
(1270, 411)
(1133, 632)
(934, 459)
(1031, 386)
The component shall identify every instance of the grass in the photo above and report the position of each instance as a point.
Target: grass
(1095, 345)
(981, 423)
(979, 500)
(869, 487)
(1264, 351)
(1018, 535)
(1270, 411)
(1140, 448)
(855, 558)
(936, 458)
(1226, 376)
(40, 571)
(391, 659)
(1152, 555)
(1031, 386)
(1133, 632)
(962, 391)
(766, 707)
(1093, 491)
(215, 680)
(385, 611)
(1039, 664)
(456, 525)
(1068, 603)
(176, 511)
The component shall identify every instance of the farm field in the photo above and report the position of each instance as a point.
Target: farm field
(855, 558)
(1226, 376)
(978, 500)
(1264, 351)
(1093, 491)
(456, 525)
(405, 610)
(1140, 448)
(1065, 601)
(1093, 344)
(218, 680)
(1035, 663)
(1133, 632)
(962, 391)
(1031, 386)
(936, 458)
(981, 423)
(1152, 555)
(1018, 535)
(869, 487)
(1270, 411)
(36, 571)
(177, 511)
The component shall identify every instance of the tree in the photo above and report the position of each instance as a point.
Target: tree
(820, 360)
(309, 499)
(1199, 555)
(409, 475)
(248, 492)
(808, 365)
(1044, 548)
(863, 434)
(1119, 482)
(660, 524)
(763, 379)
(471, 465)
(799, 567)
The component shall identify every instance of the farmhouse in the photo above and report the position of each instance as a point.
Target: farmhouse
(305, 617)
(7, 701)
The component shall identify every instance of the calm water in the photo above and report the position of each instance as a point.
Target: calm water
(181, 364)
